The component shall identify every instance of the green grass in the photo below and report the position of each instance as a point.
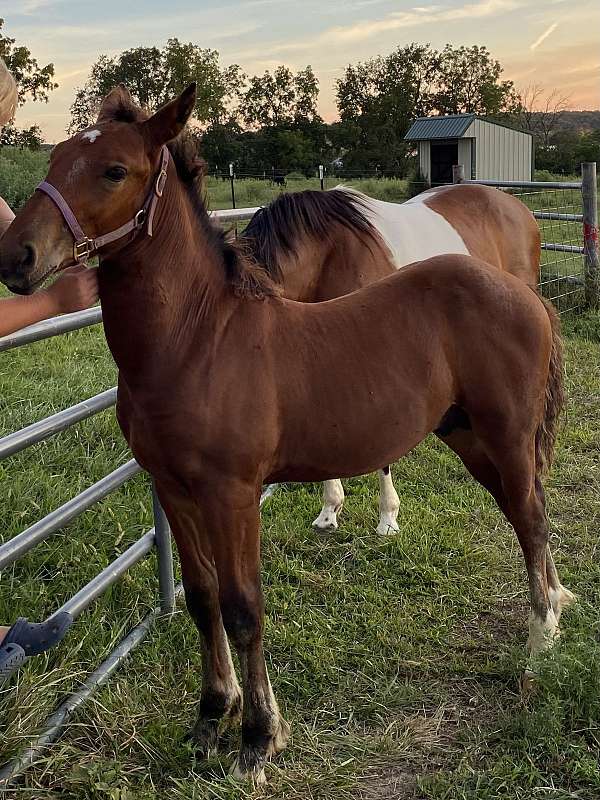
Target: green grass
(396, 660)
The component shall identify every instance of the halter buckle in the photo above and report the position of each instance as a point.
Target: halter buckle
(83, 250)
(140, 218)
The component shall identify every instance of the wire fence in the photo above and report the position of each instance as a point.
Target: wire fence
(562, 271)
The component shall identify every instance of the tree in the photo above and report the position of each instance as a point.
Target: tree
(26, 138)
(281, 98)
(468, 82)
(154, 76)
(380, 98)
(34, 82)
(377, 101)
(540, 113)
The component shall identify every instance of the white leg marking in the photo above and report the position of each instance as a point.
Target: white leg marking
(560, 599)
(389, 503)
(333, 500)
(542, 632)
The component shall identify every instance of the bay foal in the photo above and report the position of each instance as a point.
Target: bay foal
(224, 385)
(321, 245)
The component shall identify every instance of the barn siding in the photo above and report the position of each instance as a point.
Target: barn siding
(501, 153)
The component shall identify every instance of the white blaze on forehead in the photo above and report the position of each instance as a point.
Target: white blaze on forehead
(91, 136)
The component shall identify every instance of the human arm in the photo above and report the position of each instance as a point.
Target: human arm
(75, 290)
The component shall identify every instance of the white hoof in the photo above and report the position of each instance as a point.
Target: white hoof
(326, 521)
(255, 777)
(387, 524)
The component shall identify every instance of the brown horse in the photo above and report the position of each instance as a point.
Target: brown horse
(224, 385)
(322, 245)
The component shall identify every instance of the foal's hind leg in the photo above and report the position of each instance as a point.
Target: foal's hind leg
(509, 475)
(221, 697)
(333, 500)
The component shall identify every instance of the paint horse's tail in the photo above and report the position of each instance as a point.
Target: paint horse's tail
(554, 400)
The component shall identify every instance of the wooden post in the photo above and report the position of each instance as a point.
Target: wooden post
(322, 176)
(591, 256)
(458, 173)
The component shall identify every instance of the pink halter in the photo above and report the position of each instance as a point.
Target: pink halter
(84, 246)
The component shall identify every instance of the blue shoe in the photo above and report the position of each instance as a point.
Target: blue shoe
(12, 656)
(36, 637)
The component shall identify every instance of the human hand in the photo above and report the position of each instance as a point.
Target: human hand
(74, 290)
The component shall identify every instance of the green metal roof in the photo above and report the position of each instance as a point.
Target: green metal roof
(450, 127)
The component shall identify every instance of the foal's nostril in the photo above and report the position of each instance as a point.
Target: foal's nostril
(29, 255)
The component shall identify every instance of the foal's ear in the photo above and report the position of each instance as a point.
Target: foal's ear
(170, 120)
(115, 103)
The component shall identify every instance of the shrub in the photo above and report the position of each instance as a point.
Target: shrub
(20, 173)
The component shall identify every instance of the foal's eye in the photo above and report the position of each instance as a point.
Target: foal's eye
(116, 174)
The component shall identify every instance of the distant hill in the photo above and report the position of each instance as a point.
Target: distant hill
(580, 121)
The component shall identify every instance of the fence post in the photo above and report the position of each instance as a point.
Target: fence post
(162, 533)
(458, 173)
(231, 177)
(322, 176)
(591, 257)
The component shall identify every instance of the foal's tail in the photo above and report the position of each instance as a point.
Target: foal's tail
(554, 399)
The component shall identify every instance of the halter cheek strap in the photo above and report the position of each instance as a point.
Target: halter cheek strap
(84, 246)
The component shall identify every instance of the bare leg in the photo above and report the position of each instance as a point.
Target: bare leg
(510, 478)
(234, 530)
(389, 503)
(221, 697)
(333, 500)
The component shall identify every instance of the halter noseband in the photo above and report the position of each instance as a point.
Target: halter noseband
(85, 246)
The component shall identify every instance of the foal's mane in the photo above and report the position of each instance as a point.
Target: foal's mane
(276, 230)
(245, 276)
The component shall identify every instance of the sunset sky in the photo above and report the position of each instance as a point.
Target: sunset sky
(555, 43)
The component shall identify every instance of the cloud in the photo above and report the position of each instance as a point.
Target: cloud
(548, 32)
(419, 15)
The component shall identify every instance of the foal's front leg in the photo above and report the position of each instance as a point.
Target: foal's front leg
(221, 697)
(233, 518)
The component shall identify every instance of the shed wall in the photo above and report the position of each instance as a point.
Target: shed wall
(500, 153)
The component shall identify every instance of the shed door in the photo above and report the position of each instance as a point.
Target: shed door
(443, 157)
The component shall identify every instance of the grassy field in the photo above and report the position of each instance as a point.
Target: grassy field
(396, 660)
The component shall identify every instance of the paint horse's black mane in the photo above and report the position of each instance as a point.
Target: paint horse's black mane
(275, 230)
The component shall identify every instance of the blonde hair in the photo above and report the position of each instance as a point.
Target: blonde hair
(8, 94)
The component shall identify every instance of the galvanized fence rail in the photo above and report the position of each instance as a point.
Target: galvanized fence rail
(567, 213)
(158, 538)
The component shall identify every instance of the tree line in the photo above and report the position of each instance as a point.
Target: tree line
(269, 123)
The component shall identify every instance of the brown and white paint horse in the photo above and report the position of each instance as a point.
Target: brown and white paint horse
(322, 245)
(224, 385)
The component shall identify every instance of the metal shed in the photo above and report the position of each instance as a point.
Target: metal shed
(487, 150)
